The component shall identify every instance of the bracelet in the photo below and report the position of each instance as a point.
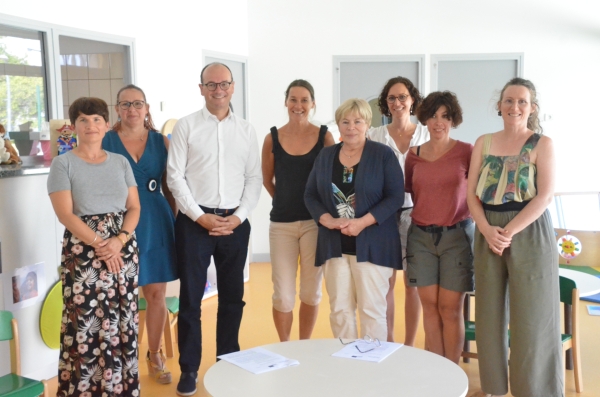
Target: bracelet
(93, 241)
(121, 240)
(126, 233)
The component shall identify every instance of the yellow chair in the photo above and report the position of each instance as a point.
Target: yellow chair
(13, 384)
(569, 295)
(170, 332)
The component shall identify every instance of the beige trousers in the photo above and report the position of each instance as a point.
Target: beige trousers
(288, 241)
(353, 285)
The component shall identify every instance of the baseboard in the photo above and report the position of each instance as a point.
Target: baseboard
(261, 257)
(46, 372)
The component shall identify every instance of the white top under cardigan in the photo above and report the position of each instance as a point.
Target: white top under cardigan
(382, 135)
(215, 164)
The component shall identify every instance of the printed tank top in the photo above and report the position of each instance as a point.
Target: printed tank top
(507, 178)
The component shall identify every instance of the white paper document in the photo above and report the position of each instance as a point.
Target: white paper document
(258, 360)
(377, 354)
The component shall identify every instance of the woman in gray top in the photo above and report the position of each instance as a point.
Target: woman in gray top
(95, 197)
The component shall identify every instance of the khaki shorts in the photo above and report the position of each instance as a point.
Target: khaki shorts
(448, 264)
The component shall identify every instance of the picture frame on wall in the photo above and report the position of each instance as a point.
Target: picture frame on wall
(24, 286)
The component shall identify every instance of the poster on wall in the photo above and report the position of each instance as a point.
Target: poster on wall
(22, 286)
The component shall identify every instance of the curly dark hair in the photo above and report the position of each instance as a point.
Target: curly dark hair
(88, 106)
(412, 90)
(434, 101)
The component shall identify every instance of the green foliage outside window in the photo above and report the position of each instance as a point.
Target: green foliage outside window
(27, 101)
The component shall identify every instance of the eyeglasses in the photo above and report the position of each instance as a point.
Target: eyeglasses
(392, 99)
(136, 104)
(223, 84)
(371, 344)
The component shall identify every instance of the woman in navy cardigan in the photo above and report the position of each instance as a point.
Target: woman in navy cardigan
(354, 192)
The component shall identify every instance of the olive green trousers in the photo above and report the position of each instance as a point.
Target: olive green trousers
(519, 288)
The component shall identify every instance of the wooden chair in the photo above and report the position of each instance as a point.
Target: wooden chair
(170, 330)
(569, 295)
(14, 384)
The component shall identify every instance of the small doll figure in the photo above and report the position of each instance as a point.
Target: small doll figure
(67, 140)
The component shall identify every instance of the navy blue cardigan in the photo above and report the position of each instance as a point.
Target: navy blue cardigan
(379, 189)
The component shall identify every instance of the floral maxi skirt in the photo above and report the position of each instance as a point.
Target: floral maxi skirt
(98, 339)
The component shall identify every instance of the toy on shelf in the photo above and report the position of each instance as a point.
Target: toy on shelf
(67, 140)
(8, 154)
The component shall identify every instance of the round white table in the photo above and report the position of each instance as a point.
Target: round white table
(407, 372)
(586, 283)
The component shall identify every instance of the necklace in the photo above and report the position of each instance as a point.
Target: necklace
(99, 156)
(347, 155)
(128, 135)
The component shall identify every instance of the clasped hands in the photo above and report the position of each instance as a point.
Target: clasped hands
(219, 225)
(349, 227)
(109, 251)
(497, 238)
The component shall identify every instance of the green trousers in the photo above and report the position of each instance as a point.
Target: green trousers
(519, 288)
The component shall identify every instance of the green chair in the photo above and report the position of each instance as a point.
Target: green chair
(170, 330)
(469, 337)
(13, 384)
(569, 295)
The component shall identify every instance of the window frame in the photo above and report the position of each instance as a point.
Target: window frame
(50, 42)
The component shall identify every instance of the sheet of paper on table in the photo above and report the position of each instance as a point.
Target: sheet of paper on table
(376, 355)
(593, 310)
(258, 360)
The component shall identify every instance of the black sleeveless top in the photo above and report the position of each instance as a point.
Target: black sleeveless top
(291, 175)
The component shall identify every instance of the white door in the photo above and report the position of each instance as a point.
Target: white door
(476, 80)
(364, 77)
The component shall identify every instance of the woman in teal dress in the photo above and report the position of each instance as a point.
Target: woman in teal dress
(135, 137)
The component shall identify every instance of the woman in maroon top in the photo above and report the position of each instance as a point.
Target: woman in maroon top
(440, 239)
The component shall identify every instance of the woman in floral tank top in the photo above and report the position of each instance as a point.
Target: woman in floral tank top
(511, 184)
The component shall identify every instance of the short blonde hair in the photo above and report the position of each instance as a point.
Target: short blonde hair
(354, 105)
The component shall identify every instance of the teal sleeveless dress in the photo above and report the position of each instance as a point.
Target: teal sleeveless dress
(155, 230)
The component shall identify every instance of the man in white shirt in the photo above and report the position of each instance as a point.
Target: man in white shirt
(214, 173)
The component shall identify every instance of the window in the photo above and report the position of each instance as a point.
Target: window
(23, 88)
(578, 211)
(44, 67)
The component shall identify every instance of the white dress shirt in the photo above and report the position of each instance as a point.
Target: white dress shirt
(382, 135)
(215, 164)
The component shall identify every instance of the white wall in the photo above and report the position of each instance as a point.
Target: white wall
(560, 40)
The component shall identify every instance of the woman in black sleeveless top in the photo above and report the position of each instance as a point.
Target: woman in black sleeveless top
(287, 159)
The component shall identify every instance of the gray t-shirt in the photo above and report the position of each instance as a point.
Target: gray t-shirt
(95, 188)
